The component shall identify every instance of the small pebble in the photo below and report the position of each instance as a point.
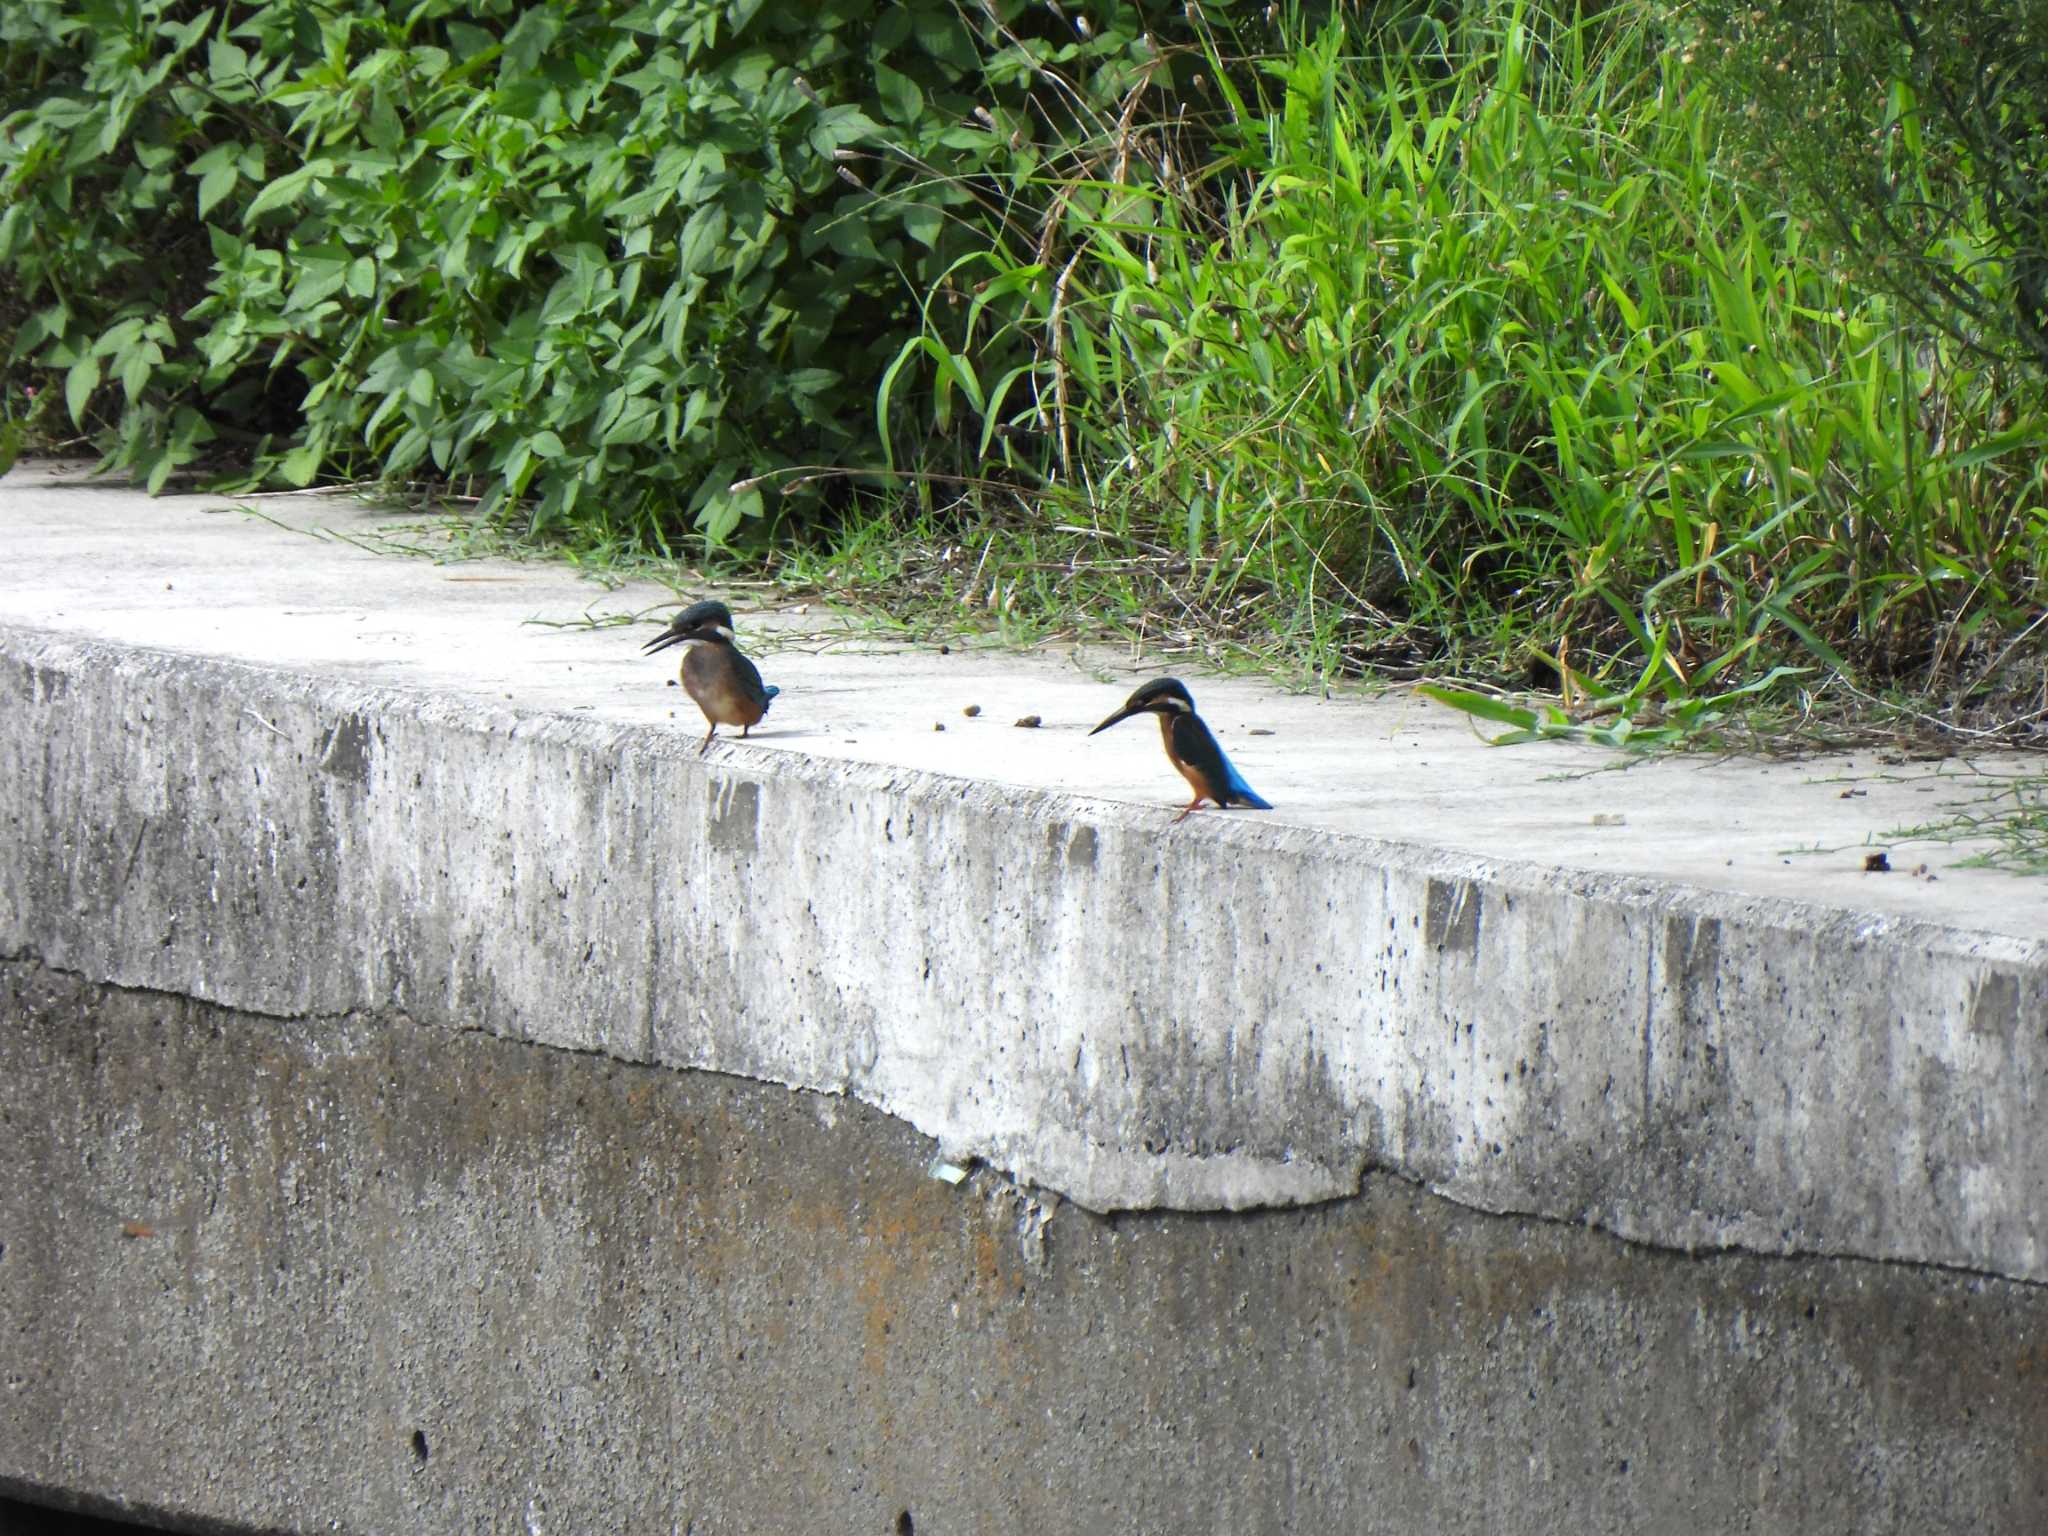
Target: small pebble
(1876, 864)
(1259, 730)
(971, 711)
(671, 683)
(1029, 723)
(938, 725)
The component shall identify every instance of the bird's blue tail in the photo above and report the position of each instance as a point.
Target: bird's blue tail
(1237, 785)
(768, 693)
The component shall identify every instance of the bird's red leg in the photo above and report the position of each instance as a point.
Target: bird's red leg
(707, 739)
(1192, 806)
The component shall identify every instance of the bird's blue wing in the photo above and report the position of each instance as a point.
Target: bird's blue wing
(1237, 785)
(750, 675)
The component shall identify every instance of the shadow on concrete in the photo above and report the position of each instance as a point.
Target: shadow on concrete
(17, 1519)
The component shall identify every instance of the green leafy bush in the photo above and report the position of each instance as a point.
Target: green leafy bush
(597, 261)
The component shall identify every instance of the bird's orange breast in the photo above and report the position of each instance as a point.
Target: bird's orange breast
(710, 679)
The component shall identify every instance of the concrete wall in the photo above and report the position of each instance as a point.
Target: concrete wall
(1246, 1017)
(366, 1008)
(357, 1273)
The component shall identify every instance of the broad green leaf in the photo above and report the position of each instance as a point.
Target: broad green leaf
(299, 466)
(922, 223)
(702, 244)
(79, 384)
(529, 38)
(135, 368)
(900, 95)
(810, 381)
(226, 62)
(839, 126)
(215, 185)
(284, 190)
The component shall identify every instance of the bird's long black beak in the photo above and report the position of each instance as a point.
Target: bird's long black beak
(1123, 714)
(663, 641)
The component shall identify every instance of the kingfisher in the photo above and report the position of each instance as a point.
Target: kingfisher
(1189, 746)
(726, 686)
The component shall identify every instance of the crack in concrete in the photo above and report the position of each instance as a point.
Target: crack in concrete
(1368, 1165)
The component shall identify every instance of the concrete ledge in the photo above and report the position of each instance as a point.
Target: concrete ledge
(353, 930)
(367, 1275)
(1251, 1014)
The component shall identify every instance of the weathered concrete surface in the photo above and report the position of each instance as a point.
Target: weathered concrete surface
(366, 1275)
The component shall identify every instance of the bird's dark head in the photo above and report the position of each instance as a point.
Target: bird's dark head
(1161, 696)
(708, 620)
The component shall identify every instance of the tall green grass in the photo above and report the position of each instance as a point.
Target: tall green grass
(1458, 345)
